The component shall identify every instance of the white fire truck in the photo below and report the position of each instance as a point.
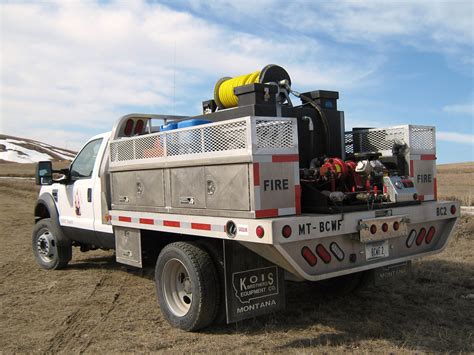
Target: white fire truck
(255, 190)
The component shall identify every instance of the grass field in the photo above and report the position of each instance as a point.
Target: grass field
(97, 305)
(456, 182)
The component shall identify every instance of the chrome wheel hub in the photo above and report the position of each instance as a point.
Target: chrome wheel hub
(177, 287)
(45, 245)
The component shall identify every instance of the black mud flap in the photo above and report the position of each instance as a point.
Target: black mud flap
(253, 285)
(384, 274)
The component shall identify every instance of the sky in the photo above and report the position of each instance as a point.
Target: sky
(70, 69)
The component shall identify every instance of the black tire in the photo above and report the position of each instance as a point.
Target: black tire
(216, 250)
(52, 250)
(342, 285)
(197, 304)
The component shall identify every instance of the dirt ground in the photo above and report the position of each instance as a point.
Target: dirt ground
(97, 305)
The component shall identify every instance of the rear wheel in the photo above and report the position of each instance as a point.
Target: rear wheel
(52, 250)
(342, 285)
(187, 286)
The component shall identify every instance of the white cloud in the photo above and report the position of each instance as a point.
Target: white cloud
(77, 66)
(467, 109)
(439, 26)
(462, 138)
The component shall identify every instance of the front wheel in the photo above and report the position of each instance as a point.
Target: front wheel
(51, 249)
(187, 286)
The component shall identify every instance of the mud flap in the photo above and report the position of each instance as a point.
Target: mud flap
(383, 275)
(253, 285)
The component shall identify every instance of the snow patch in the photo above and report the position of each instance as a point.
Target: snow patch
(28, 151)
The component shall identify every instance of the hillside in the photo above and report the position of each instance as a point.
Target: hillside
(23, 150)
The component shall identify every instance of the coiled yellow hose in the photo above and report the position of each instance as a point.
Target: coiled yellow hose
(224, 89)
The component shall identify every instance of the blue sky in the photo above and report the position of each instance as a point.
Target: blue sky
(69, 69)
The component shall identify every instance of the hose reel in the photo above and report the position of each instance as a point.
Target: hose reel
(224, 89)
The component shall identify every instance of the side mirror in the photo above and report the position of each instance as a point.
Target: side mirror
(44, 173)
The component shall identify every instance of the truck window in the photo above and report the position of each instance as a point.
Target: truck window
(84, 163)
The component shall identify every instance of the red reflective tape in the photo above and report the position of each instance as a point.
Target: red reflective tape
(201, 226)
(435, 187)
(298, 199)
(421, 197)
(256, 174)
(428, 157)
(285, 158)
(267, 213)
(412, 172)
(172, 224)
(146, 221)
(124, 219)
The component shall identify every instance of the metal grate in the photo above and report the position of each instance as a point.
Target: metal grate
(215, 138)
(348, 143)
(122, 152)
(231, 136)
(375, 140)
(422, 138)
(275, 134)
(417, 138)
(225, 136)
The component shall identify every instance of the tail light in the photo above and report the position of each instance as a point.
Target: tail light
(323, 253)
(128, 127)
(309, 256)
(411, 238)
(336, 251)
(385, 227)
(286, 231)
(139, 127)
(373, 229)
(396, 225)
(421, 236)
(453, 209)
(260, 231)
(430, 235)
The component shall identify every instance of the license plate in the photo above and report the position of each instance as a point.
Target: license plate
(376, 250)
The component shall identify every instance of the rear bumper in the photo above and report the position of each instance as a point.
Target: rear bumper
(312, 235)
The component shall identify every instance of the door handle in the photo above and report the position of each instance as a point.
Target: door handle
(89, 195)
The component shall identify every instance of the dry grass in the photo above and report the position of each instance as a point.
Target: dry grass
(456, 182)
(97, 305)
(27, 170)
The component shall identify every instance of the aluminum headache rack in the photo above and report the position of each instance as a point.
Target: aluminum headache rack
(237, 140)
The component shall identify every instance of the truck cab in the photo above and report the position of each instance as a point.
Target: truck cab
(78, 197)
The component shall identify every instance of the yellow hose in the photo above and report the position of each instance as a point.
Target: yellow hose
(225, 89)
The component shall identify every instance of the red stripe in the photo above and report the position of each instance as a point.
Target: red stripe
(201, 226)
(267, 213)
(256, 174)
(428, 157)
(298, 199)
(146, 221)
(435, 187)
(412, 173)
(172, 224)
(286, 158)
(125, 219)
(421, 197)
